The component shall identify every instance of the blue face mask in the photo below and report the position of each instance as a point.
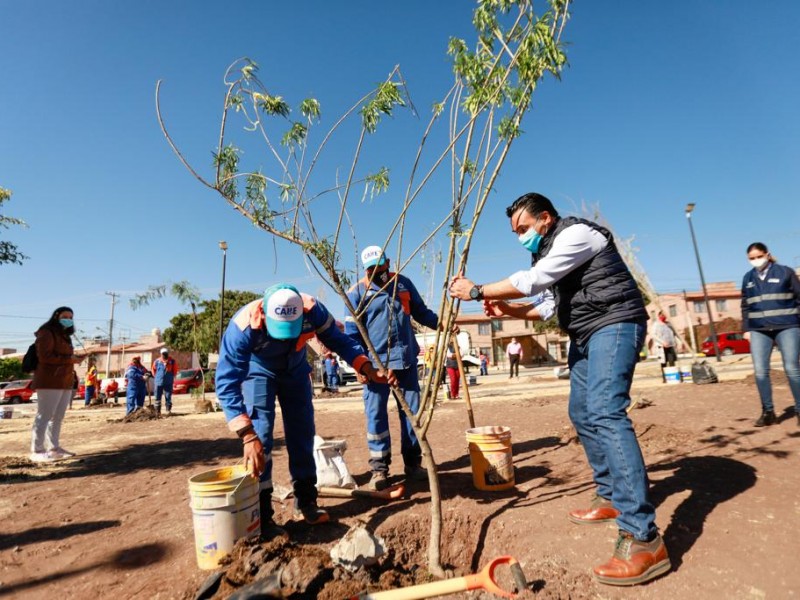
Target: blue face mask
(66, 323)
(530, 240)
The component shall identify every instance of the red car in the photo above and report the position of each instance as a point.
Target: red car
(186, 380)
(731, 342)
(18, 391)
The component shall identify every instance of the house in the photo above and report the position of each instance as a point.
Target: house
(148, 347)
(490, 336)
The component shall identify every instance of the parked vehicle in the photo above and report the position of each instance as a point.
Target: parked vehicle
(731, 342)
(17, 391)
(347, 374)
(186, 380)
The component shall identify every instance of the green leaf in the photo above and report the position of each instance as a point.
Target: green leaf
(310, 109)
(295, 135)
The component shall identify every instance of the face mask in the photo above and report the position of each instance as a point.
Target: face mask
(530, 240)
(66, 323)
(759, 263)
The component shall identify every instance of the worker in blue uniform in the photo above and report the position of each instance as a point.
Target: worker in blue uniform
(386, 303)
(263, 358)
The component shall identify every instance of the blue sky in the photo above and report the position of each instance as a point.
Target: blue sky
(662, 104)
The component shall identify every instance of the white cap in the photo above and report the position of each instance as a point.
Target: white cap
(283, 308)
(164, 351)
(371, 256)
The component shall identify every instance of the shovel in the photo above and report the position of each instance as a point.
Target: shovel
(390, 493)
(484, 580)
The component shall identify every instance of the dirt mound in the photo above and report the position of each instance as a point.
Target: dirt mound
(146, 413)
(306, 570)
(203, 406)
(94, 405)
(776, 376)
(329, 394)
(15, 468)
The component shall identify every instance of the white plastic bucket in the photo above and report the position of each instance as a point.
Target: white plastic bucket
(672, 374)
(686, 374)
(224, 508)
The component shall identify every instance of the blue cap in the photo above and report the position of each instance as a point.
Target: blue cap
(283, 309)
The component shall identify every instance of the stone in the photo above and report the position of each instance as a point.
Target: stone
(358, 548)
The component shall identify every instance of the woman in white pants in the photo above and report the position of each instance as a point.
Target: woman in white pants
(53, 379)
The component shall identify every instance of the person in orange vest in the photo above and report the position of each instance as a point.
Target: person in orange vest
(164, 370)
(90, 381)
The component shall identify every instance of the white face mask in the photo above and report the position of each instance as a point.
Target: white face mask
(759, 263)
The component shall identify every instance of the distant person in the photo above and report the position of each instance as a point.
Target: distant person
(388, 304)
(332, 370)
(262, 359)
(451, 363)
(136, 385)
(514, 352)
(771, 314)
(664, 338)
(53, 380)
(112, 389)
(90, 382)
(76, 383)
(164, 371)
(484, 364)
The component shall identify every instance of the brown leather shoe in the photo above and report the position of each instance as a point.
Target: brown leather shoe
(634, 562)
(600, 511)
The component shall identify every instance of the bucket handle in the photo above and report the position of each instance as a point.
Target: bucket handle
(230, 495)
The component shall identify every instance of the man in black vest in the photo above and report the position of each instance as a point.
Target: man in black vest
(599, 304)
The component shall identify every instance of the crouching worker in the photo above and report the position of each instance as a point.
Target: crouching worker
(263, 357)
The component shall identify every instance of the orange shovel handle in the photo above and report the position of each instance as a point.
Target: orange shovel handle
(482, 580)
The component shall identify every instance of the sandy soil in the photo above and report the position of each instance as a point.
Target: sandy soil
(115, 523)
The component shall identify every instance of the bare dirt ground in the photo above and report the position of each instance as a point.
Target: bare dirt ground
(114, 522)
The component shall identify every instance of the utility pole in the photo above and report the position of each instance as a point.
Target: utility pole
(689, 209)
(114, 297)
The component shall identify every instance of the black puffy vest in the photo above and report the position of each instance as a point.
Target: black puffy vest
(600, 292)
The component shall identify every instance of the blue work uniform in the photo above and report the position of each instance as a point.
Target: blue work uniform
(164, 373)
(387, 319)
(137, 387)
(254, 369)
(332, 371)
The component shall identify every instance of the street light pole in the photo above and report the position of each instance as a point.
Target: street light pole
(689, 209)
(224, 247)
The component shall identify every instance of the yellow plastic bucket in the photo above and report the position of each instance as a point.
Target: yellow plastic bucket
(490, 456)
(224, 508)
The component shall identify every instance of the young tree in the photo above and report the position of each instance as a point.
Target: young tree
(9, 253)
(481, 115)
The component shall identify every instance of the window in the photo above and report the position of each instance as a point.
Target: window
(673, 310)
(484, 329)
(699, 307)
(722, 305)
(497, 325)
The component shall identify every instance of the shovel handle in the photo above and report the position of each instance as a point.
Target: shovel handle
(391, 493)
(482, 580)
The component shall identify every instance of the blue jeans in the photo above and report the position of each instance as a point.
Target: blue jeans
(333, 381)
(601, 371)
(788, 342)
(88, 394)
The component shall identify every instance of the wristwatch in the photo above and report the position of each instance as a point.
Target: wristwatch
(476, 292)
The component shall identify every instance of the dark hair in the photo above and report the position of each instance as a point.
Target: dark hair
(534, 203)
(53, 320)
(757, 246)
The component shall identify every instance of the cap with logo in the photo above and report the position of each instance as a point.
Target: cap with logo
(164, 351)
(371, 256)
(283, 309)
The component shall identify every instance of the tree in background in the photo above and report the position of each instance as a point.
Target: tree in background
(11, 369)
(465, 143)
(9, 253)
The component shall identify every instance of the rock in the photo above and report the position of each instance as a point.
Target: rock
(358, 548)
